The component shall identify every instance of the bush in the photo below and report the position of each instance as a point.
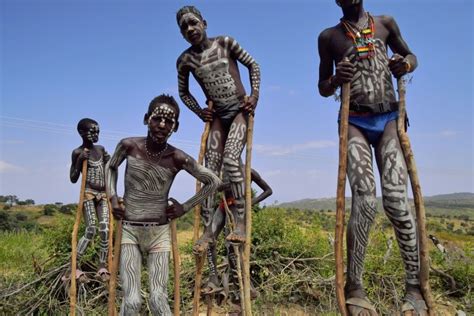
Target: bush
(49, 209)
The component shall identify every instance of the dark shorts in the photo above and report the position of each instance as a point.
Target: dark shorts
(373, 126)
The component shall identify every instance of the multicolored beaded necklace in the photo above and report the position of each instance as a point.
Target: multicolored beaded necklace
(363, 37)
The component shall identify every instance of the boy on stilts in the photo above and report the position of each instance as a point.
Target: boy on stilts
(213, 63)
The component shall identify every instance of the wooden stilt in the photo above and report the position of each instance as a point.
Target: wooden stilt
(177, 268)
(111, 237)
(73, 290)
(200, 258)
(340, 199)
(248, 216)
(115, 267)
(417, 196)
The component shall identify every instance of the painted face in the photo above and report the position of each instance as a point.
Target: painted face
(161, 123)
(192, 28)
(347, 3)
(93, 133)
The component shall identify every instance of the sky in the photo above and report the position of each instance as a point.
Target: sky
(65, 60)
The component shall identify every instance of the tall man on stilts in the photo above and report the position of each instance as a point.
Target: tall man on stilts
(363, 39)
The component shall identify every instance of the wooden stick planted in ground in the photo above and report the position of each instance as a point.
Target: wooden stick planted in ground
(248, 216)
(340, 198)
(200, 258)
(176, 266)
(417, 196)
(115, 268)
(72, 290)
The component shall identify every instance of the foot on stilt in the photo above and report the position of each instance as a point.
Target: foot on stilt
(358, 304)
(210, 287)
(80, 276)
(238, 235)
(103, 274)
(202, 244)
(414, 304)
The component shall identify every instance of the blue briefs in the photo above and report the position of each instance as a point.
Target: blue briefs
(372, 126)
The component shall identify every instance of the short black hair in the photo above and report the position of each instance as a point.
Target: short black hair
(164, 98)
(188, 9)
(83, 123)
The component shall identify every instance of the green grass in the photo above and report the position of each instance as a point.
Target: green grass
(17, 253)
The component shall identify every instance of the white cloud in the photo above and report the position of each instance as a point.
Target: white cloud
(7, 167)
(282, 150)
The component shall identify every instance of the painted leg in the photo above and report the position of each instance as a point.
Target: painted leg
(235, 143)
(90, 218)
(158, 269)
(394, 176)
(130, 275)
(218, 222)
(103, 215)
(213, 158)
(361, 179)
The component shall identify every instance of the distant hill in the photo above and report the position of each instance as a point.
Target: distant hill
(454, 204)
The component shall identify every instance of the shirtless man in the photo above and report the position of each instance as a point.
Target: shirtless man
(152, 165)
(213, 63)
(219, 224)
(95, 208)
(363, 39)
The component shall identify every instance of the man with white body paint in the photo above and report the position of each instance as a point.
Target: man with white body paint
(363, 39)
(152, 165)
(213, 63)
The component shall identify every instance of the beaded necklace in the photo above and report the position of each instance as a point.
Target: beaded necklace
(155, 155)
(362, 36)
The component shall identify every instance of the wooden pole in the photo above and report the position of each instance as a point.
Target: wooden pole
(248, 216)
(115, 268)
(417, 196)
(72, 290)
(177, 268)
(111, 237)
(200, 258)
(340, 198)
(202, 151)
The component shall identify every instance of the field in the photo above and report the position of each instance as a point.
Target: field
(292, 263)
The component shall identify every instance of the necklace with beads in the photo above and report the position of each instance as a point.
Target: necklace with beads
(362, 35)
(155, 155)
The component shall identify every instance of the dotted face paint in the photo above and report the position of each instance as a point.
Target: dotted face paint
(166, 115)
(93, 133)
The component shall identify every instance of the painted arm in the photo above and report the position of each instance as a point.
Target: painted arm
(77, 157)
(209, 180)
(328, 82)
(205, 176)
(404, 60)
(183, 87)
(111, 176)
(245, 59)
(267, 190)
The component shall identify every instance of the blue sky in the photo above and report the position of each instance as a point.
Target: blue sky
(65, 60)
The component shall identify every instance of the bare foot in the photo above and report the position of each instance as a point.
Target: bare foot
(210, 288)
(358, 304)
(104, 274)
(80, 276)
(414, 304)
(202, 244)
(238, 235)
